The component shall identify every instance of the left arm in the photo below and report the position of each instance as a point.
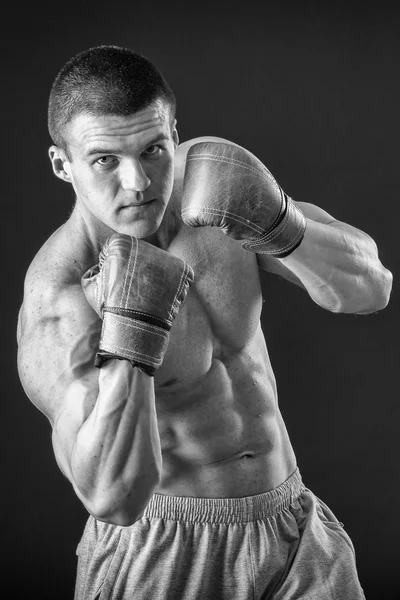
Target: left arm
(226, 186)
(336, 263)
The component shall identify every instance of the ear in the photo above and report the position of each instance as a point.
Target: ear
(60, 163)
(175, 135)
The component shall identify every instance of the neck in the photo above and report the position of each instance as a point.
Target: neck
(171, 224)
(87, 232)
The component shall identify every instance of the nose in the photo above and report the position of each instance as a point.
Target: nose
(133, 177)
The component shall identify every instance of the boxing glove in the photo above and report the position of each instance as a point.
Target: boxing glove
(226, 186)
(137, 290)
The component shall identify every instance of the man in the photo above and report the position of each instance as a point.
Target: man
(140, 340)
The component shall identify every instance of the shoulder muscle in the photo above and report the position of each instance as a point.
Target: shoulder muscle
(58, 333)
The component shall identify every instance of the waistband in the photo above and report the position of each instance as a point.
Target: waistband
(226, 510)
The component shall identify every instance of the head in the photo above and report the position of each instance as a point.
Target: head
(112, 121)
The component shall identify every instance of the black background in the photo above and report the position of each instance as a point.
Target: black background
(313, 91)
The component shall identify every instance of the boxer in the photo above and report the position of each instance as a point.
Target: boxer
(140, 340)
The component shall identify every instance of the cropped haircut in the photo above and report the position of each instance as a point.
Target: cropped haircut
(104, 80)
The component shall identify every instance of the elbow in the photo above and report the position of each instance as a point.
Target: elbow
(386, 287)
(122, 507)
(121, 518)
(372, 297)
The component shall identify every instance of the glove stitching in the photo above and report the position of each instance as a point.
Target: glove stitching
(102, 257)
(233, 161)
(276, 232)
(300, 232)
(113, 310)
(121, 299)
(175, 302)
(277, 250)
(153, 329)
(127, 273)
(270, 237)
(99, 299)
(222, 213)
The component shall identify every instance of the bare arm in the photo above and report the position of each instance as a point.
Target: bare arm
(105, 433)
(337, 264)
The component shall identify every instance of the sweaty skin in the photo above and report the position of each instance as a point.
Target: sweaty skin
(208, 424)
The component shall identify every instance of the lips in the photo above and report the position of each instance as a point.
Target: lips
(137, 204)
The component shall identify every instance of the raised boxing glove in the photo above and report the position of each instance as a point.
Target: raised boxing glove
(226, 186)
(137, 290)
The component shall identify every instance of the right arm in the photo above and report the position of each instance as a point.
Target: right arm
(104, 421)
(113, 457)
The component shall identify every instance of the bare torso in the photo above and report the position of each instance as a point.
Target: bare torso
(221, 431)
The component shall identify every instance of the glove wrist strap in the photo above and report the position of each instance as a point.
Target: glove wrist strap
(140, 342)
(284, 237)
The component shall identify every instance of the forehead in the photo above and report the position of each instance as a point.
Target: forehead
(88, 130)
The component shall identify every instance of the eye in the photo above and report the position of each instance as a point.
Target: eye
(105, 160)
(152, 150)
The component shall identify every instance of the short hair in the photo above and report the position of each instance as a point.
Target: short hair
(104, 80)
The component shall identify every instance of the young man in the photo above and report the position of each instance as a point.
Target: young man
(140, 340)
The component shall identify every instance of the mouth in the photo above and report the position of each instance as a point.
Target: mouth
(138, 204)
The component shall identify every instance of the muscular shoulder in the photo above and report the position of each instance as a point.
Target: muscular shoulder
(54, 327)
(47, 281)
(55, 262)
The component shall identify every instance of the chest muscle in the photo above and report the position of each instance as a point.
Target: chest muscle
(222, 309)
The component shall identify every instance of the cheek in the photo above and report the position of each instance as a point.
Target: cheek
(80, 180)
(167, 178)
(92, 186)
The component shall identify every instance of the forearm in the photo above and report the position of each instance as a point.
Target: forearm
(339, 267)
(116, 459)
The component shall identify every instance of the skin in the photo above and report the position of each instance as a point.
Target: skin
(209, 423)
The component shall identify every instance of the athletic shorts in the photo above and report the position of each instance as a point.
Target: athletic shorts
(284, 544)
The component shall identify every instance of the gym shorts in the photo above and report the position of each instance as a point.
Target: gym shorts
(284, 544)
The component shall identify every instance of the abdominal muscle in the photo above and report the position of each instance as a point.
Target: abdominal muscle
(221, 431)
(222, 435)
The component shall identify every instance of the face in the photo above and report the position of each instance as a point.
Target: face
(121, 168)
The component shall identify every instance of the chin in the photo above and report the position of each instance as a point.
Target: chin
(138, 230)
(141, 223)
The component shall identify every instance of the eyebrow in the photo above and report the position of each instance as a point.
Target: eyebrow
(98, 150)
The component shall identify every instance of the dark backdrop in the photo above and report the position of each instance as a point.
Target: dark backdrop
(314, 92)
